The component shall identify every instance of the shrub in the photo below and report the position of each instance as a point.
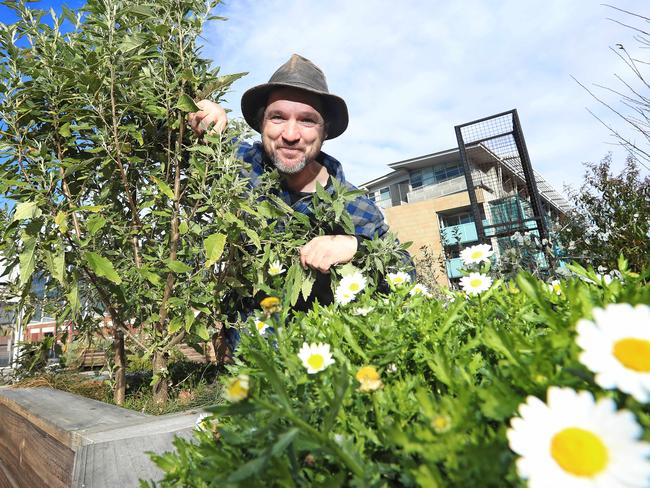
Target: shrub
(421, 391)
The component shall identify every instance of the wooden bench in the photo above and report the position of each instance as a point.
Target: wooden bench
(56, 439)
(92, 358)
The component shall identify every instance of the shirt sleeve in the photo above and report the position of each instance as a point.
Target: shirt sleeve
(367, 218)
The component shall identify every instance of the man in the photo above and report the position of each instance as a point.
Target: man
(295, 113)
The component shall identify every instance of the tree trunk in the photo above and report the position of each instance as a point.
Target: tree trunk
(119, 391)
(160, 389)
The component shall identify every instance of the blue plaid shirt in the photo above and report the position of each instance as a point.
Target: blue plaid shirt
(367, 218)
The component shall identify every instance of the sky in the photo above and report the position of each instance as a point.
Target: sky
(412, 70)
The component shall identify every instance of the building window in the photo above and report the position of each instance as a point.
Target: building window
(436, 174)
(382, 197)
(457, 219)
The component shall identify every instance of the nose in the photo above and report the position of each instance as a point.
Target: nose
(291, 132)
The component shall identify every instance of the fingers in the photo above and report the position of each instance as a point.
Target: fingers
(211, 116)
(323, 252)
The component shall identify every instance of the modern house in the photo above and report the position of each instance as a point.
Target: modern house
(425, 201)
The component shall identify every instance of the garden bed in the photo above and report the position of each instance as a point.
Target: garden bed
(57, 439)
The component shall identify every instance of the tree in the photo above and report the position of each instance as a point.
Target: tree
(611, 217)
(633, 105)
(117, 206)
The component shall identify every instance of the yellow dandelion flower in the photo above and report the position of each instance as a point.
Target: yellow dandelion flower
(369, 378)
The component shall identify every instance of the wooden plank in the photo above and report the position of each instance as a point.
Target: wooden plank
(121, 463)
(31, 456)
(51, 438)
(62, 414)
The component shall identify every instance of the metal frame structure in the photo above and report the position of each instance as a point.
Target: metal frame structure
(501, 136)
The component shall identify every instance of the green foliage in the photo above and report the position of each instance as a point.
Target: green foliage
(454, 372)
(612, 215)
(32, 357)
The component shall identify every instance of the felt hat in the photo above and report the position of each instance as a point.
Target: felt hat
(299, 73)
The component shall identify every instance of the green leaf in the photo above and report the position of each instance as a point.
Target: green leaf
(27, 262)
(203, 150)
(293, 283)
(64, 130)
(253, 236)
(249, 469)
(91, 208)
(73, 297)
(341, 384)
(186, 104)
(307, 285)
(164, 187)
(26, 210)
(56, 264)
(272, 375)
(213, 245)
(132, 42)
(61, 221)
(175, 325)
(202, 331)
(150, 276)
(95, 223)
(102, 267)
(142, 10)
(283, 441)
(178, 267)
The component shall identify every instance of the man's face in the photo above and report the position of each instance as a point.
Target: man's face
(293, 129)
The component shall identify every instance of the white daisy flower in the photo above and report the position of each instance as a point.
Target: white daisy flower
(276, 268)
(237, 388)
(315, 357)
(555, 287)
(202, 422)
(573, 441)
(398, 279)
(605, 279)
(476, 254)
(475, 283)
(420, 289)
(261, 326)
(343, 296)
(353, 283)
(616, 346)
(363, 311)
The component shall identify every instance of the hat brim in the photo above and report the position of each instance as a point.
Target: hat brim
(256, 97)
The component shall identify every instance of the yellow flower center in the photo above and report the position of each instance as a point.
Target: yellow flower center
(579, 452)
(476, 282)
(441, 423)
(237, 391)
(316, 361)
(633, 353)
(367, 373)
(354, 287)
(476, 254)
(260, 325)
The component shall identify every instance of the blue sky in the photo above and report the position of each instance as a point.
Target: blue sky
(411, 70)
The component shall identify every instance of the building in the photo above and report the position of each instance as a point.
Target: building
(425, 201)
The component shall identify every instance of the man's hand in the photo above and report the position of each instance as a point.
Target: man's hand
(210, 113)
(323, 252)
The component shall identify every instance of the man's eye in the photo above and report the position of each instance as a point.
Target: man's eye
(309, 123)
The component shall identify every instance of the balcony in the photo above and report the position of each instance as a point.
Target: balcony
(453, 267)
(466, 233)
(436, 190)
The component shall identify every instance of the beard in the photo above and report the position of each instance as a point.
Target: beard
(288, 169)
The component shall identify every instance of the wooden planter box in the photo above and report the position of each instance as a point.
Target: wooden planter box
(50, 438)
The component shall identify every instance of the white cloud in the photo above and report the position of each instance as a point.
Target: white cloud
(410, 71)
